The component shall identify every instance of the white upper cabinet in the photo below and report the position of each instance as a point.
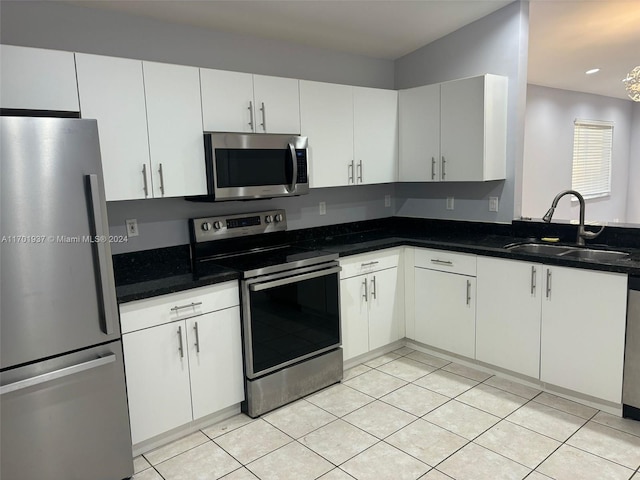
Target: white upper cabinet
(419, 126)
(454, 131)
(174, 117)
(277, 104)
(112, 92)
(326, 113)
(227, 101)
(353, 133)
(242, 102)
(37, 79)
(473, 134)
(375, 133)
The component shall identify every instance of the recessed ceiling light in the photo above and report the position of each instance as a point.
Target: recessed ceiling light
(592, 71)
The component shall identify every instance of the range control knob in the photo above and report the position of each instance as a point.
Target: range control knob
(217, 225)
(278, 217)
(268, 219)
(206, 226)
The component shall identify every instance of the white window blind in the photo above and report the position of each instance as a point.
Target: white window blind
(592, 143)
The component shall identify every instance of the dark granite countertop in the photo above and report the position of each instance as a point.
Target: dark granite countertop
(157, 272)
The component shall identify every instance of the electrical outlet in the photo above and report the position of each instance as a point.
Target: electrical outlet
(493, 204)
(323, 208)
(387, 200)
(449, 203)
(132, 227)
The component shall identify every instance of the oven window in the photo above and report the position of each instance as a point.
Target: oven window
(252, 167)
(294, 320)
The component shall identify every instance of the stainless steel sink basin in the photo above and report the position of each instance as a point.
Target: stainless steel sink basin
(569, 251)
(596, 255)
(541, 248)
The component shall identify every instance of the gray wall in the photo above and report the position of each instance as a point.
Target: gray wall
(548, 152)
(633, 199)
(62, 26)
(163, 222)
(495, 44)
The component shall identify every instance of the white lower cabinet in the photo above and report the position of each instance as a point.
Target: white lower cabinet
(565, 326)
(445, 311)
(583, 331)
(185, 366)
(371, 303)
(508, 314)
(445, 300)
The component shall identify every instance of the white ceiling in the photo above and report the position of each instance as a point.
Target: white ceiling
(567, 37)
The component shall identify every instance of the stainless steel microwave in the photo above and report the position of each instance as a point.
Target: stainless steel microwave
(244, 166)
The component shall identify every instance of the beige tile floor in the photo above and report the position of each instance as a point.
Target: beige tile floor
(409, 415)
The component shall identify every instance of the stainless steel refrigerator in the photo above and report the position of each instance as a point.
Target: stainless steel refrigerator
(63, 409)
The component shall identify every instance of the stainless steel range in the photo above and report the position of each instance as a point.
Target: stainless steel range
(290, 305)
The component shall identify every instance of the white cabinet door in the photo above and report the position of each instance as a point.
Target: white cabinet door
(37, 79)
(384, 321)
(326, 115)
(227, 101)
(375, 135)
(354, 313)
(583, 330)
(419, 133)
(508, 314)
(174, 118)
(215, 361)
(445, 311)
(112, 91)
(277, 104)
(157, 380)
(473, 119)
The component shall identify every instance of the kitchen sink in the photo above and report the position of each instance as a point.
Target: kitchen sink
(596, 255)
(540, 248)
(569, 251)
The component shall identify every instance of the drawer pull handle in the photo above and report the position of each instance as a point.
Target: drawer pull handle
(442, 262)
(468, 292)
(368, 264)
(180, 307)
(548, 282)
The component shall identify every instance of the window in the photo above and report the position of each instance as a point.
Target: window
(591, 174)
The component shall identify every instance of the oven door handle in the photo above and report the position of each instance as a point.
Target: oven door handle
(256, 287)
(294, 165)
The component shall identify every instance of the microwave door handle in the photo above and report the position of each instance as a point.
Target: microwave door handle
(294, 162)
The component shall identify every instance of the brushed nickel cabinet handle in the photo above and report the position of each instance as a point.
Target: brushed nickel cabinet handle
(444, 170)
(373, 287)
(433, 168)
(366, 294)
(350, 168)
(468, 292)
(180, 346)
(197, 344)
(533, 279)
(360, 170)
(161, 180)
(263, 109)
(548, 282)
(190, 305)
(144, 178)
(250, 107)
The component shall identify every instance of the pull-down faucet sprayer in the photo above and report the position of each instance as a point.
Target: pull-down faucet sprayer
(582, 233)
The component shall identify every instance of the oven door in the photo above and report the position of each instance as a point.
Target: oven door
(290, 316)
(255, 165)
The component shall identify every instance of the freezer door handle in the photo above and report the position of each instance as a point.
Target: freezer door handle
(109, 305)
(56, 374)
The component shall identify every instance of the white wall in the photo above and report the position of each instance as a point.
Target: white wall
(633, 194)
(548, 152)
(497, 43)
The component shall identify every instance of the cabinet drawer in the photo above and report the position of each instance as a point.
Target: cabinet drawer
(177, 306)
(369, 262)
(444, 261)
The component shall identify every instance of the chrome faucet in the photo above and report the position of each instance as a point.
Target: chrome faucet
(582, 233)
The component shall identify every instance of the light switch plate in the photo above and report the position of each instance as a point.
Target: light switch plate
(132, 227)
(493, 204)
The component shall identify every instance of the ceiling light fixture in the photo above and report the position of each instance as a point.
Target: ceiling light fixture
(592, 71)
(632, 84)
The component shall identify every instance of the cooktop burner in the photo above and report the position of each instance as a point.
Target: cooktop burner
(216, 242)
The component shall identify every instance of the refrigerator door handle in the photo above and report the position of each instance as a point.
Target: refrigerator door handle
(109, 305)
(56, 374)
